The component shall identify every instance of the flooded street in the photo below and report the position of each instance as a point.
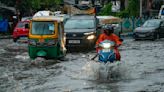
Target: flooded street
(140, 70)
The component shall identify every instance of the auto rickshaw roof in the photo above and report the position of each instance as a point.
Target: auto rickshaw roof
(48, 18)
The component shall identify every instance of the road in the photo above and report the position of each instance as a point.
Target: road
(141, 70)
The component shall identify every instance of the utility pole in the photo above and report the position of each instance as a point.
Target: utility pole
(140, 8)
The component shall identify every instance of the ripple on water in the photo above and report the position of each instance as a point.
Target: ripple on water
(2, 51)
(23, 56)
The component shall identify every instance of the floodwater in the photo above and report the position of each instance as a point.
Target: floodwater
(140, 70)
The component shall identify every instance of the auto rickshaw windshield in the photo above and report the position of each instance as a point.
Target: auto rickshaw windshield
(43, 28)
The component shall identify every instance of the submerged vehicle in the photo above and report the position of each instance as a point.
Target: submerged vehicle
(106, 52)
(46, 37)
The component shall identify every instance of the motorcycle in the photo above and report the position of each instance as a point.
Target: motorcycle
(106, 52)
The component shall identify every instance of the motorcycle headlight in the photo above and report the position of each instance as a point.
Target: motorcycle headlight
(106, 45)
(90, 37)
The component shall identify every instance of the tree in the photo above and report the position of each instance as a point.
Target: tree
(106, 10)
(133, 7)
(26, 6)
(8, 2)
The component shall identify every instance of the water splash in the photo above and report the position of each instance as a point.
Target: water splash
(38, 61)
(99, 71)
(23, 56)
(90, 70)
(2, 51)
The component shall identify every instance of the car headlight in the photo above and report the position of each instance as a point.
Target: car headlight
(88, 33)
(90, 37)
(106, 45)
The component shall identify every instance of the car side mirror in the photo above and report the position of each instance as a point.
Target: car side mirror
(26, 26)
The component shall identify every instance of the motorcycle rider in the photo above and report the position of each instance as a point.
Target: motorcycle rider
(109, 35)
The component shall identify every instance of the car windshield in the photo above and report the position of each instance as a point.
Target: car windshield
(22, 24)
(43, 28)
(151, 23)
(80, 24)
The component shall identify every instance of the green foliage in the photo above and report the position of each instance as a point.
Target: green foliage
(106, 10)
(8, 2)
(34, 5)
(123, 14)
(133, 7)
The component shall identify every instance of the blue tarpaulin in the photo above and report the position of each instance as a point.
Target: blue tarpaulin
(3, 25)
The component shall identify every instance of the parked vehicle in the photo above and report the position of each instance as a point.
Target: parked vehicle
(81, 31)
(20, 30)
(151, 29)
(46, 37)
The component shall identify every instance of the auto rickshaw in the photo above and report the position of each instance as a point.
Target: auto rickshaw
(46, 37)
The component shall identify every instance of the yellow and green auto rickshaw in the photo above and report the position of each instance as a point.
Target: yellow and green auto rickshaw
(46, 37)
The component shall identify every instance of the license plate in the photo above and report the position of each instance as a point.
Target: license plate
(105, 50)
(74, 41)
